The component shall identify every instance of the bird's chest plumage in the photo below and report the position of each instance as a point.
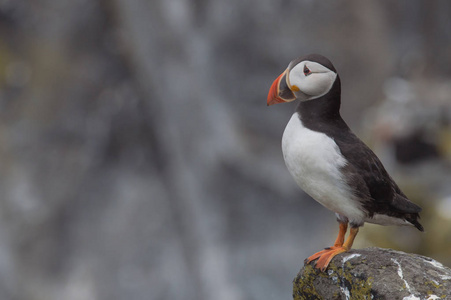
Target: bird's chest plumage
(315, 162)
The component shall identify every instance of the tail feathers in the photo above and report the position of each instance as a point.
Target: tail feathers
(409, 209)
(414, 222)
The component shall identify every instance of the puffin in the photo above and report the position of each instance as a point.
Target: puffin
(329, 162)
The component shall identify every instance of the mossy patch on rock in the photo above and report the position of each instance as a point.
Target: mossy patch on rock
(374, 273)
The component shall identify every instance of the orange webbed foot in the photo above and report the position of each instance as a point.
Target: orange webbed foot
(319, 254)
(325, 256)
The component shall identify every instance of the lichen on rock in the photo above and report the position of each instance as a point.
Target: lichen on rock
(375, 273)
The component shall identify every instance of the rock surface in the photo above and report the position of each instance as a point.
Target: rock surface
(375, 273)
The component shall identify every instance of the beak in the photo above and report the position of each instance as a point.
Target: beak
(280, 91)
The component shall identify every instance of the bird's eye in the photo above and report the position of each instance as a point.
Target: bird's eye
(307, 71)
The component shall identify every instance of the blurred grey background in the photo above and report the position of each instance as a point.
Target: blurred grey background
(139, 159)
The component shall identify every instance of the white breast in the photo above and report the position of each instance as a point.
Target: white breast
(314, 160)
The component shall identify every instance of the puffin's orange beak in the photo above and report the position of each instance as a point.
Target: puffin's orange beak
(280, 91)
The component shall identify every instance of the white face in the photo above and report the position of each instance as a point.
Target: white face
(309, 80)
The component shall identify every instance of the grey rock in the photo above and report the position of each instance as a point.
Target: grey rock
(375, 273)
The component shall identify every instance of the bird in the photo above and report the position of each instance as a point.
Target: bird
(329, 162)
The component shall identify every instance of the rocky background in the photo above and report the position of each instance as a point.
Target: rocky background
(139, 160)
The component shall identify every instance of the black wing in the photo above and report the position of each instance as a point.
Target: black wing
(372, 184)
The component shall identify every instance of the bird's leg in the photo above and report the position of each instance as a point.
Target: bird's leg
(338, 242)
(325, 258)
(341, 234)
